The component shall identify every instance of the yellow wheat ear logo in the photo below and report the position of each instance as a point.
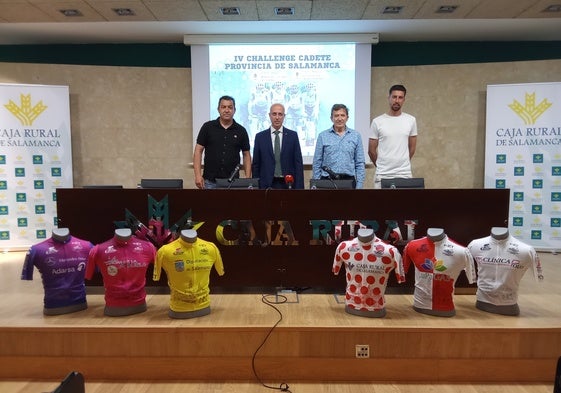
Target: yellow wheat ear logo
(529, 112)
(25, 112)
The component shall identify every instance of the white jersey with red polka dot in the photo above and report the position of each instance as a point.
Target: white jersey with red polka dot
(368, 267)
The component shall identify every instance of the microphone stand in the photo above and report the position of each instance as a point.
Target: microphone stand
(331, 176)
(231, 179)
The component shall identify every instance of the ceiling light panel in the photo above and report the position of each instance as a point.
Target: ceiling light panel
(107, 9)
(124, 11)
(230, 11)
(407, 9)
(53, 9)
(537, 9)
(71, 12)
(284, 11)
(267, 10)
(553, 8)
(247, 10)
(446, 9)
(437, 9)
(392, 9)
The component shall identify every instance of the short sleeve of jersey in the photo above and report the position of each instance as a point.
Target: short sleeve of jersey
(27, 271)
(90, 267)
(218, 264)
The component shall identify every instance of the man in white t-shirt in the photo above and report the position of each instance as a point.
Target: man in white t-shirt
(393, 139)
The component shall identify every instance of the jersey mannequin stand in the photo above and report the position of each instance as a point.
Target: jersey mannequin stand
(435, 235)
(499, 234)
(366, 236)
(123, 235)
(65, 310)
(62, 235)
(189, 236)
(123, 311)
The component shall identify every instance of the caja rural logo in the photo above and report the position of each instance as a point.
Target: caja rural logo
(25, 112)
(530, 112)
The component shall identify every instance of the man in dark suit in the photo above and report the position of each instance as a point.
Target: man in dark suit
(277, 170)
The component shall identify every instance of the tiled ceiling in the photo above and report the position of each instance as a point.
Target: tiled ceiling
(312, 12)
(21, 11)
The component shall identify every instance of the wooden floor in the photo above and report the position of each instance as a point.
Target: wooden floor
(318, 330)
(295, 387)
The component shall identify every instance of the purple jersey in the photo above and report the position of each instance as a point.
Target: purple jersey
(62, 266)
(123, 266)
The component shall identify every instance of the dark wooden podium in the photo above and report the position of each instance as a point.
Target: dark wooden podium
(285, 238)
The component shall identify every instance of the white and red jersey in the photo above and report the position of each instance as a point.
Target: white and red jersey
(62, 266)
(437, 266)
(123, 266)
(188, 266)
(368, 267)
(501, 264)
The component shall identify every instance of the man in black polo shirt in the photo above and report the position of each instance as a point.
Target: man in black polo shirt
(221, 140)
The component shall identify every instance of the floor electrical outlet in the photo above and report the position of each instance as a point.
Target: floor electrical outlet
(362, 351)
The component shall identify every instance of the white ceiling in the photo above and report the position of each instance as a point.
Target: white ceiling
(166, 21)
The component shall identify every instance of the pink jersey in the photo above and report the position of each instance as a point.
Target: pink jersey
(368, 267)
(501, 264)
(123, 266)
(437, 266)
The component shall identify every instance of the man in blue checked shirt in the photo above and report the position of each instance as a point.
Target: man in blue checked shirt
(339, 150)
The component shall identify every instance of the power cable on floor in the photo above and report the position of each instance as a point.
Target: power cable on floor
(279, 299)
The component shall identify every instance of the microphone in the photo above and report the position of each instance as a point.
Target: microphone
(234, 173)
(289, 179)
(332, 175)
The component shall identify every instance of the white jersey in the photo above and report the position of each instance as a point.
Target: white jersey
(437, 266)
(368, 267)
(392, 133)
(501, 264)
